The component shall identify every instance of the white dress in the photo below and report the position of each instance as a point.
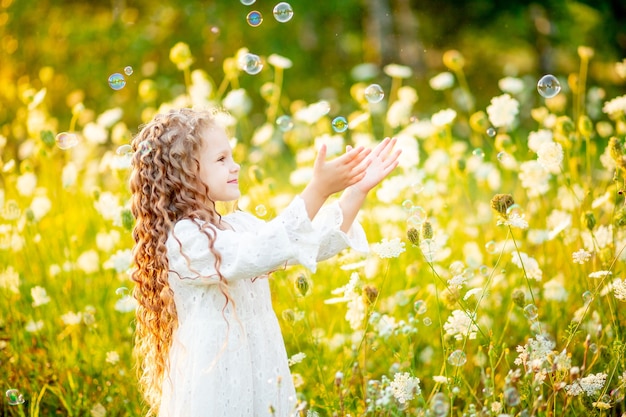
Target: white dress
(232, 362)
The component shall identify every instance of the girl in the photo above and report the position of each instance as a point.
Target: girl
(207, 339)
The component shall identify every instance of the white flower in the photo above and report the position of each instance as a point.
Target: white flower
(10, 280)
(313, 112)
(410, 156)
(538, 138)
(405, 387)
(69, 174)
(237, 102)
(107, 241)
(110, 117)
(120, 260)
(297, 358)
(534, 178)
(126, 304)
(398, 71)
(511, 85)
(536, 353)
(70, 318)
(581, 256)
(389, 248)
(112, 357)
(385, 326)
(40, 206)
(95, 133)
(301, 176)
(34, 326)
(443, 117)
(279, 61)
(89, 261)
(98, 410)
(615, 107)
(600, 274)
(503, 110)
(554, 290)
(460, 325)
(334, 144)
(619, 289)
(590, 385)
(514, 220)
(442, 81)
(108, 206)
(440, 379)
(40, 296)
(26, 184)
(550, 156)
(530, 265)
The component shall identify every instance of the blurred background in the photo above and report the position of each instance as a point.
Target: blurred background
(71, 47)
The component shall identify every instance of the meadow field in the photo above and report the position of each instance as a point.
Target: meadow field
(495, 281)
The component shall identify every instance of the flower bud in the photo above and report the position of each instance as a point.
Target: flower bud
(585, 125)
(427, 230)
(180, 54)
(519, 298)
(413, 236)
(453, 60)
(370, 294)
(303, 285)
(501, 203)
(589, 220)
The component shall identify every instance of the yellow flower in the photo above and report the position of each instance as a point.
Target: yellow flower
(453, 60)
(181, 55)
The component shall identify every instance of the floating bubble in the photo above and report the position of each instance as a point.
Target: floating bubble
(491, 132)
(484, 270)
(407, 205)
(248, 2)
(122, 291)
(284, 123)
(511, 397)
(468, 273)
(340, 124)
(439, 405)
(420, 307)
(457, 358)
(283, 12)
(531, 312)
(14, 397)
(515, 210)
(128, 70)
(479, 153)
(145, 147)
(117, 81)
(503, 157)
(491, 247)
(417, 216)
(66, 140)
(427, 321)
(124, 150)
(250, 63)
(254, 18)
(587, 297)
(593, 348)
(374, 93)
(418, 187)
(260, 210)
(548, 86)
(456, 268)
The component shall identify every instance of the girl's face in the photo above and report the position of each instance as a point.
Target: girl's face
(218, 170)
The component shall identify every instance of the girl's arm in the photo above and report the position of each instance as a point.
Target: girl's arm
(380, 162)
(333, 176)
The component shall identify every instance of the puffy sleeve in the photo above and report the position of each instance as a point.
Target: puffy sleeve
(333, 240)
(289, 237)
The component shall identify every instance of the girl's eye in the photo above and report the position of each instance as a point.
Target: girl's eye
(221, 159)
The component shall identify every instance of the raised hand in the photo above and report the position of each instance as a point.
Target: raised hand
(333, 176)
(382, 160)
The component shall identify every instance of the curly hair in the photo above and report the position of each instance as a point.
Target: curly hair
(166, 187)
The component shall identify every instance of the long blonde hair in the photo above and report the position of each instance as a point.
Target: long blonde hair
(166, 187)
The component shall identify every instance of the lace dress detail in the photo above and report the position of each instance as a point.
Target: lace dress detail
(232, 362)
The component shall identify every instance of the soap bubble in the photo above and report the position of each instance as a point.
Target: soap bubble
(340, 124)
(124, 150)
(531, 312)
(491, 132)
(427, 321)
(420, 307)
(145, 147)
(260, 210)
(122, 291)
(283, 12)
(484, 270)
(587, 297)
(479, 153)
(247, 2)
(456, 268)
(457, 358)
(407, 205)
(128, 70)
(491, 247)
(439, 405)
(511, 397)
(254, 18)
(117, 81)
(250, 63)
(284, 123)
(548, 86)
(374, 93)
(14, 397)
(65, 140)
